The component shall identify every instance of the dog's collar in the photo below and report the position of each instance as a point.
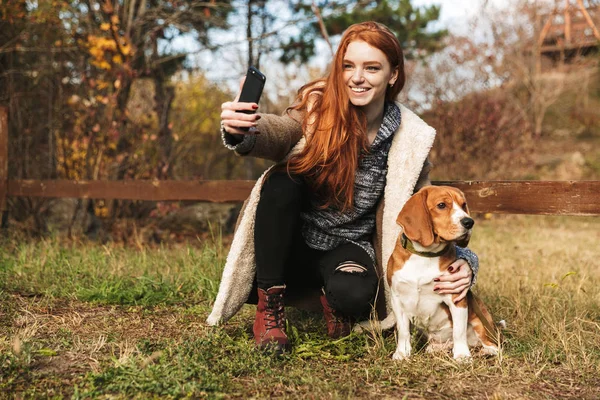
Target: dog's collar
(408, 245)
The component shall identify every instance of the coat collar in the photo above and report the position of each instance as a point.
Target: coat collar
(410, 148)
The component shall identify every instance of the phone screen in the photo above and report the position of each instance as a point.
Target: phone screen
(253, 86)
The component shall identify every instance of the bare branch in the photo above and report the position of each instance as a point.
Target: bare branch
(322, 27)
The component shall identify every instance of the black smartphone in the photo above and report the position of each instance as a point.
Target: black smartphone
(253, 88)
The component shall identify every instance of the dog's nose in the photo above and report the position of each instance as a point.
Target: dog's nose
(467, 222)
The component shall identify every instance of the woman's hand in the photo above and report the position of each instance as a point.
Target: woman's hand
(232, 119)
(458, 282)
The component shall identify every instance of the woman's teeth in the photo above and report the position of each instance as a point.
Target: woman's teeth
(359, 90)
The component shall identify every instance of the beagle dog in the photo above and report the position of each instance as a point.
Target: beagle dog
(433, 221)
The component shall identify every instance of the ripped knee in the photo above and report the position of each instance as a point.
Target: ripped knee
(351, 267)
(351, 289)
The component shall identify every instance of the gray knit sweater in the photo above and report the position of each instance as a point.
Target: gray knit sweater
(326, 229)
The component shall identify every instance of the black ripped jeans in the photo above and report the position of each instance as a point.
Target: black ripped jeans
(283, 257)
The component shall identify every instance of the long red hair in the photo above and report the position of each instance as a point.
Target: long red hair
(334, 129)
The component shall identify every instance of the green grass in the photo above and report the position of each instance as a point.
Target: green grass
(112, 275)
(89, 321)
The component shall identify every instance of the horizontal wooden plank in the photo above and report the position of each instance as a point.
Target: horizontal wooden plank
(213, 191)
(502, 197)
(569, 46)
(531, 197)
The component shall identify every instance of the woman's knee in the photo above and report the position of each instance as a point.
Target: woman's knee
(282, 190)
(352, 293)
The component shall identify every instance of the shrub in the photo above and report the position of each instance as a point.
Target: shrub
(482, 136)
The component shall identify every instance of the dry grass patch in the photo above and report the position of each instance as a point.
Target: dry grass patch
(134, 339)
(53, 347)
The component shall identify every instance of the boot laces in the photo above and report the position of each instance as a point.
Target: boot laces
(336, 318)
(274, 313)
(339, 319)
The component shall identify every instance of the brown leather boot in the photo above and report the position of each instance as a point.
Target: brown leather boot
(269, 324)
(337, 325)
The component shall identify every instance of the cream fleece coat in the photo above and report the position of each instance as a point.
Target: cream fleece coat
(408, 171)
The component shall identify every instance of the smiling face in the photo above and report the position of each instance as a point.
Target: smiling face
(367, 75)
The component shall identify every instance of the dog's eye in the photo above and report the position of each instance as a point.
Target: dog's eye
(464, 207)
(441, 206)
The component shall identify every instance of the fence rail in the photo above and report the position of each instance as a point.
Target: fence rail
(501, 197)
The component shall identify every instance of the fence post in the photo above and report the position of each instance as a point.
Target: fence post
(3, 164)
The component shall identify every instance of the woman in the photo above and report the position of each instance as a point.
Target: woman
(324, 217)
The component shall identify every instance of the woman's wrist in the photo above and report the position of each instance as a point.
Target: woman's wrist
(241, 144)
(471, 259)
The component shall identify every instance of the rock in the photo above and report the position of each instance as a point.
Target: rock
(59, 213)
(196, 218)
(201, 217)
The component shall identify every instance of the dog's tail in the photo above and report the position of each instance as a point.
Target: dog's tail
(388, 323)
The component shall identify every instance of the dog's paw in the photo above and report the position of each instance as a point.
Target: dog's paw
(400, 356)
(357, 328)
(461, 354)
(463, 358)
(489, 351)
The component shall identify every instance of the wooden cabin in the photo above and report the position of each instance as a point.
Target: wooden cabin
(571, 30)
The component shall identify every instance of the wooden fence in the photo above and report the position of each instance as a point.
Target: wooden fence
(502, 197)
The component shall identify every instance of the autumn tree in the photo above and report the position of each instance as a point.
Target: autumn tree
(408, 22)
(67, 69)
(126, 41)
(33, 62)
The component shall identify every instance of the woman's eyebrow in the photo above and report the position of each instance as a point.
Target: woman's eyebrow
(365, 63)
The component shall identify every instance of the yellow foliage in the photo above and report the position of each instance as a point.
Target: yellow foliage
(114, 19)
(100, 84)
(101, 64)
(105, 26)
(105, 44)
(126, 49)
(96, 52)
(101, 210)
(104, 51)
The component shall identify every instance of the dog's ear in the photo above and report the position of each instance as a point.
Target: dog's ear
(415, 219)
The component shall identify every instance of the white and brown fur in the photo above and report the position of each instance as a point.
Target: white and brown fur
(434, 219)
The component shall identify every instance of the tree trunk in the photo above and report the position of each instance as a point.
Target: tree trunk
(163, 99)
